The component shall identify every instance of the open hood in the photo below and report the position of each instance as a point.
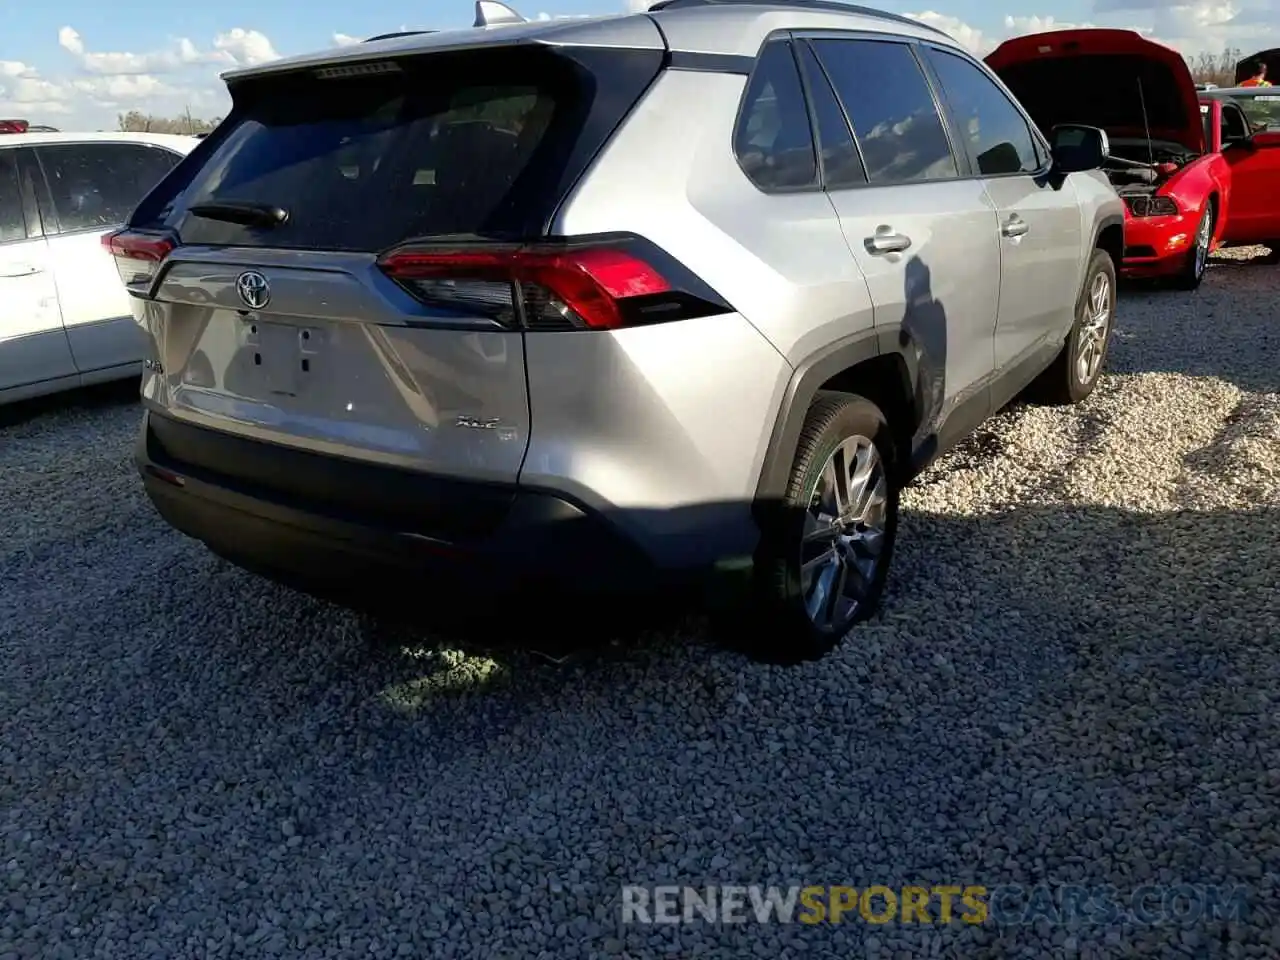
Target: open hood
(1102, 78)
(1244, 69)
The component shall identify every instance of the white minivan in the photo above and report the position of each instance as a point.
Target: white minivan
(64, 315)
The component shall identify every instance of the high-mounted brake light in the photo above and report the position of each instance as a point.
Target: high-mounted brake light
(565, 288)
(138, 255)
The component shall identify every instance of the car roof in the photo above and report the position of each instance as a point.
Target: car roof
(182, 144)
(722, 27)
(1226, 93)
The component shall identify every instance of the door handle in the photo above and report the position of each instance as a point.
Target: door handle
(18, 270)
(1015, 226)
(886, 241)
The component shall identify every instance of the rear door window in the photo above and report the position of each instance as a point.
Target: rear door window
(97, 185)
(889, 101)
(447, 144)
(841, 165)
(13, 222)
(773, 139)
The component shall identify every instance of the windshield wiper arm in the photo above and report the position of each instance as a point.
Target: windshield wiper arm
(248, 214)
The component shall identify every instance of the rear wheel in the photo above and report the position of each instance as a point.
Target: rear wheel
(1197, 260)
(826, 562)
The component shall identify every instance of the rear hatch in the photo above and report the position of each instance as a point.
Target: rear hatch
(295, 274)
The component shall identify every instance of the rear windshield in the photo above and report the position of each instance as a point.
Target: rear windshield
(449, 144)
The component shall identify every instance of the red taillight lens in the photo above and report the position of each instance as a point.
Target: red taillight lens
(546, 289)
(138, 255)
(13, 126)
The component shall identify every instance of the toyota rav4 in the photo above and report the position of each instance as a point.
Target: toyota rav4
(607, 304)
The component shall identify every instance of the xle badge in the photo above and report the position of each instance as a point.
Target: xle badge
(476, 423)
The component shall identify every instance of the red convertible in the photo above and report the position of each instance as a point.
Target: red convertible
(1193, 172)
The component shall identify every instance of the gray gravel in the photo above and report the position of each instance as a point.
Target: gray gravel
(1076, 680)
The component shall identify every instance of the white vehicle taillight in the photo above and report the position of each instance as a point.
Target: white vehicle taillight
(138, 255)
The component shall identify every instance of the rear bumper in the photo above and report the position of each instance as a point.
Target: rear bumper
(488, 539)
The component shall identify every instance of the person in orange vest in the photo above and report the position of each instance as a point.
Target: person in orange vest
(1259, 76)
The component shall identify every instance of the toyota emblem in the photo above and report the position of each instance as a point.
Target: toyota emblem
(253, 289)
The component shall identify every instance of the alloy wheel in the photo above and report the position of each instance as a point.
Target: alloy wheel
(1091, 343)
(844, 533)
(1204, 237)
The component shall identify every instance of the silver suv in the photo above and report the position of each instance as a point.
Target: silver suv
(684, 296)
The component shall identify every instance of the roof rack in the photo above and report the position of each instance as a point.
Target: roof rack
(834, 6)
(397, 33)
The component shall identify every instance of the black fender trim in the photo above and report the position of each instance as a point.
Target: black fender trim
(1110, 220)
(809, 375)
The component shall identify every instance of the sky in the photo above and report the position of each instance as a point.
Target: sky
(67, 64)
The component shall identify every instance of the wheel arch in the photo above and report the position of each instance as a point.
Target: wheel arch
(879, 365)
(1108, 235)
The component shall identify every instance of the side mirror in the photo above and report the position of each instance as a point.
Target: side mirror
(1265, 138)
(1077, 147)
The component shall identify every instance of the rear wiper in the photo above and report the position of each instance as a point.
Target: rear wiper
(248, 214)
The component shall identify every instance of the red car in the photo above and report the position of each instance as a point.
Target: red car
(1175, 182)
(1244, 126)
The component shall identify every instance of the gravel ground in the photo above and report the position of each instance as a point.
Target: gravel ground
(1075, 680)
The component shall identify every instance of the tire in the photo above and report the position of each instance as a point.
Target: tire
(1066, 381)
(838, 428)
(1197, 261)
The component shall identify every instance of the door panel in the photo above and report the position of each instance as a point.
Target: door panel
(1039, 268)
(942, 289)
(33, 347)
(92, 189)
(95, 306)
(1041, 240)
(925, 239)
(1254, 214)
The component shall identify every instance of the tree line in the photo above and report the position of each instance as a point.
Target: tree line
(1219, 68)
(135, 121)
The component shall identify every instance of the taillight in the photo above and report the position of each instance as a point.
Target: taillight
(138, 255)
(577, 286)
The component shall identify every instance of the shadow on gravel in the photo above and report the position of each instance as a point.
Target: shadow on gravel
(1053, 694)
(84, 399)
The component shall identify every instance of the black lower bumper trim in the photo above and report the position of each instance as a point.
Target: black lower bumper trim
(357, 557)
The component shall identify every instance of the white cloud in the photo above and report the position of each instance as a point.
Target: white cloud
(116, 89)
(15, 69)
(345, 40)
(178, 77)
(24, 92)
(1019, 26)
(181, 53)
(245, 47)
(967, 36)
